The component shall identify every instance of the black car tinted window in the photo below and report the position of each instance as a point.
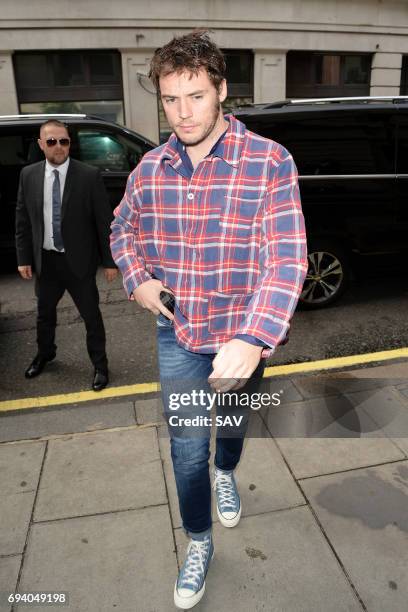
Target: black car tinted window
(18, 146)
(108, 150)
(334, 143)
(402, 154)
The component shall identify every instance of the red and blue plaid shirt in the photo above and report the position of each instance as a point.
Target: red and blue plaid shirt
(228, 240)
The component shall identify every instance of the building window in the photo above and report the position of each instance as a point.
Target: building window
(240, 83)
(323, 75)
(404, 76)
(240, 73)
(70, 82)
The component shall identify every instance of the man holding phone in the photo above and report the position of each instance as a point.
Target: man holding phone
(213, 218)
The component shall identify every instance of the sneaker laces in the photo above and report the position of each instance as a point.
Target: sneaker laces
(193, 570)
(224, 486)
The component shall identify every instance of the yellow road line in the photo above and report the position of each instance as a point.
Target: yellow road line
(80, 396)
(114, 392)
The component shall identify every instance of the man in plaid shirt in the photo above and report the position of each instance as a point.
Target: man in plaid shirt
(212, 217)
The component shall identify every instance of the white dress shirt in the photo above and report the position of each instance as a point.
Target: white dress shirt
(48, 183)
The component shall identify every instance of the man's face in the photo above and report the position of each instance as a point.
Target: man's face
(49, 142)
(192, 105)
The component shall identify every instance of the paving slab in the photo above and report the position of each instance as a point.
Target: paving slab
(20, 467)
(314, 457)
(284, 386)
(100, 472)
(264, 481)
(403, 388)
(278, 561)
(402, 444)
(365, 516)
(390, 371)
(28, 424)
(149, 411)
(328, 417)
(9, 568)
(122, 561)
(389, 409)
(335, 383)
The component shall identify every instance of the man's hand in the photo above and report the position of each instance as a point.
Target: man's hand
(147, 295)
(25, 272)
(110, 274)
(234, 364)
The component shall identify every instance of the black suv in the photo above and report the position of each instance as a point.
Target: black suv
(352, 157)
(112, 148)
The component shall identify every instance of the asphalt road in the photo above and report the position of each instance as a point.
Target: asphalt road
(371, 317)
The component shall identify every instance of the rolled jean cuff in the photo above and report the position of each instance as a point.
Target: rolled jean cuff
(199, 536)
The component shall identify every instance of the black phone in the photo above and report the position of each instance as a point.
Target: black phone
(167, 299)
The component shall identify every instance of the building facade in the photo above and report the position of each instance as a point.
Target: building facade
(93, 55)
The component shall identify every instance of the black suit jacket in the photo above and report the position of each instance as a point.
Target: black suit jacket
(85, 218)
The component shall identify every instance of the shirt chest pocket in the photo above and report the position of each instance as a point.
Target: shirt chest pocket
(241, 216)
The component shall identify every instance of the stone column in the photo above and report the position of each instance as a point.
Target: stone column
(269, 76)
(386, 74)
(140, 100)
(8, 98)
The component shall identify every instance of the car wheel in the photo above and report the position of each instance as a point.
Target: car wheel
(327, 276)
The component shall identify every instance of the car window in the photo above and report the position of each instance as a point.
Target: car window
(402, 154)
(108, 150)
(335, 143)
(19, 147)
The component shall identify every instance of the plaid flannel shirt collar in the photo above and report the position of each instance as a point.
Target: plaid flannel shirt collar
(229, 148)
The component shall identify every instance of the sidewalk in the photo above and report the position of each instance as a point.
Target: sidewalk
(88, 503)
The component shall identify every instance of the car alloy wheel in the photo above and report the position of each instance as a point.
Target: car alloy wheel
(325, 279)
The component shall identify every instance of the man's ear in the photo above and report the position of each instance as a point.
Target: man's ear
(222, 90)
(40, 144)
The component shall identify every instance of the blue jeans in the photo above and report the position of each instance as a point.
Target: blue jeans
(183, 371)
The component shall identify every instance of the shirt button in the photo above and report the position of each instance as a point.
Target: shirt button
(190, 196)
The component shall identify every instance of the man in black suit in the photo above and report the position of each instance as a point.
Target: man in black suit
(62, 230)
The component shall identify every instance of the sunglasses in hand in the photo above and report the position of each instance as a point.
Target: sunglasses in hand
(51, 142)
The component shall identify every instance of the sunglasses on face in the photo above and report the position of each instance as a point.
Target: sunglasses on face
(51, 142)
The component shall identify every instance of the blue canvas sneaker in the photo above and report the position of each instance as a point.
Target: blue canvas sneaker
(190, 584)
(227, 496)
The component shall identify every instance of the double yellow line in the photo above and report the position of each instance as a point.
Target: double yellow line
(142, 388)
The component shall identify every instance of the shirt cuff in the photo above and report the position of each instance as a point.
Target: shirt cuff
(250, 340)
(267, 350)
(134, 281)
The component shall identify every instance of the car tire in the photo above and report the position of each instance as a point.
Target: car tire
(328, 274)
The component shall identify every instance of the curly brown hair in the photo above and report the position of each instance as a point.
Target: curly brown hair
(190, 52)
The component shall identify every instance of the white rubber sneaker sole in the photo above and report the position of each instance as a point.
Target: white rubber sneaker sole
(186, 603)
(229, 522)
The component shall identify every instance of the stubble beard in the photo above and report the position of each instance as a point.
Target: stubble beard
(200, 139)
(58, 161)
